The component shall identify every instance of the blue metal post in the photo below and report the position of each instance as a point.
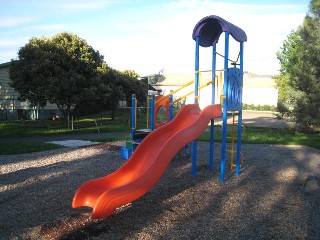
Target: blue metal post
(133, 117)
(239, 138)
(214, 55)
(152, 113)
(170, 108)
(214, 60)
(196, 100)
(224, 116)
(196, 77)
(194, 157)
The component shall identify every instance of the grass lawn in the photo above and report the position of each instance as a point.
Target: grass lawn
(11, 148)
(271, 136)
(45, 128)
(48, 128)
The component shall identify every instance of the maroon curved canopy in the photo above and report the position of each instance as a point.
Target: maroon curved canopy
(210, 28)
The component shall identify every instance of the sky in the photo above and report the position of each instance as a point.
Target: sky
(150, 36)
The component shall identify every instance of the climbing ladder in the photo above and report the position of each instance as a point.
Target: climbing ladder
(233, 137)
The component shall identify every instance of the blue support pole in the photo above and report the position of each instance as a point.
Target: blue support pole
(214, 55)
(196, 77)
(152, 113)
(196, 100)
(214, 63)
(133, 117)
(194, 158)
(170, 108)
(239, 138)
(224, 116)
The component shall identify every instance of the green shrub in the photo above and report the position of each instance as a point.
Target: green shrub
(259, 107)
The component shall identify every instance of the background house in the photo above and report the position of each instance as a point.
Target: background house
(11, 108)
(257, 89)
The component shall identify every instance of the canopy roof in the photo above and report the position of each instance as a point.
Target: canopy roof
(210, 28)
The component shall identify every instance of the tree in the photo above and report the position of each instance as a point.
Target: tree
(315, 9)
(131, 85)
(119, 86)
(31, 73)
(111, 89)
(299, 79)
(289, 60)
(61, 70)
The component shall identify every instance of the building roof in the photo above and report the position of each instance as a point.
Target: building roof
(250, 80)
(5, 64)
(174, 79)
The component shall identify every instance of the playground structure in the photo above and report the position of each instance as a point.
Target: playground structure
(206, 33)
(155, 147)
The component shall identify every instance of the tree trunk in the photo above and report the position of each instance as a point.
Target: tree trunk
(112, 114)
(63, 111)
(68, 115)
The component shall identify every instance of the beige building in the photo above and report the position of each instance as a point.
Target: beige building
(13, 109)
(257, 89)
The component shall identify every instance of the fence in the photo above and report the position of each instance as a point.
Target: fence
(27, 114)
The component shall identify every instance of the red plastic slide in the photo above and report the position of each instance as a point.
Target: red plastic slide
(147, 163)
